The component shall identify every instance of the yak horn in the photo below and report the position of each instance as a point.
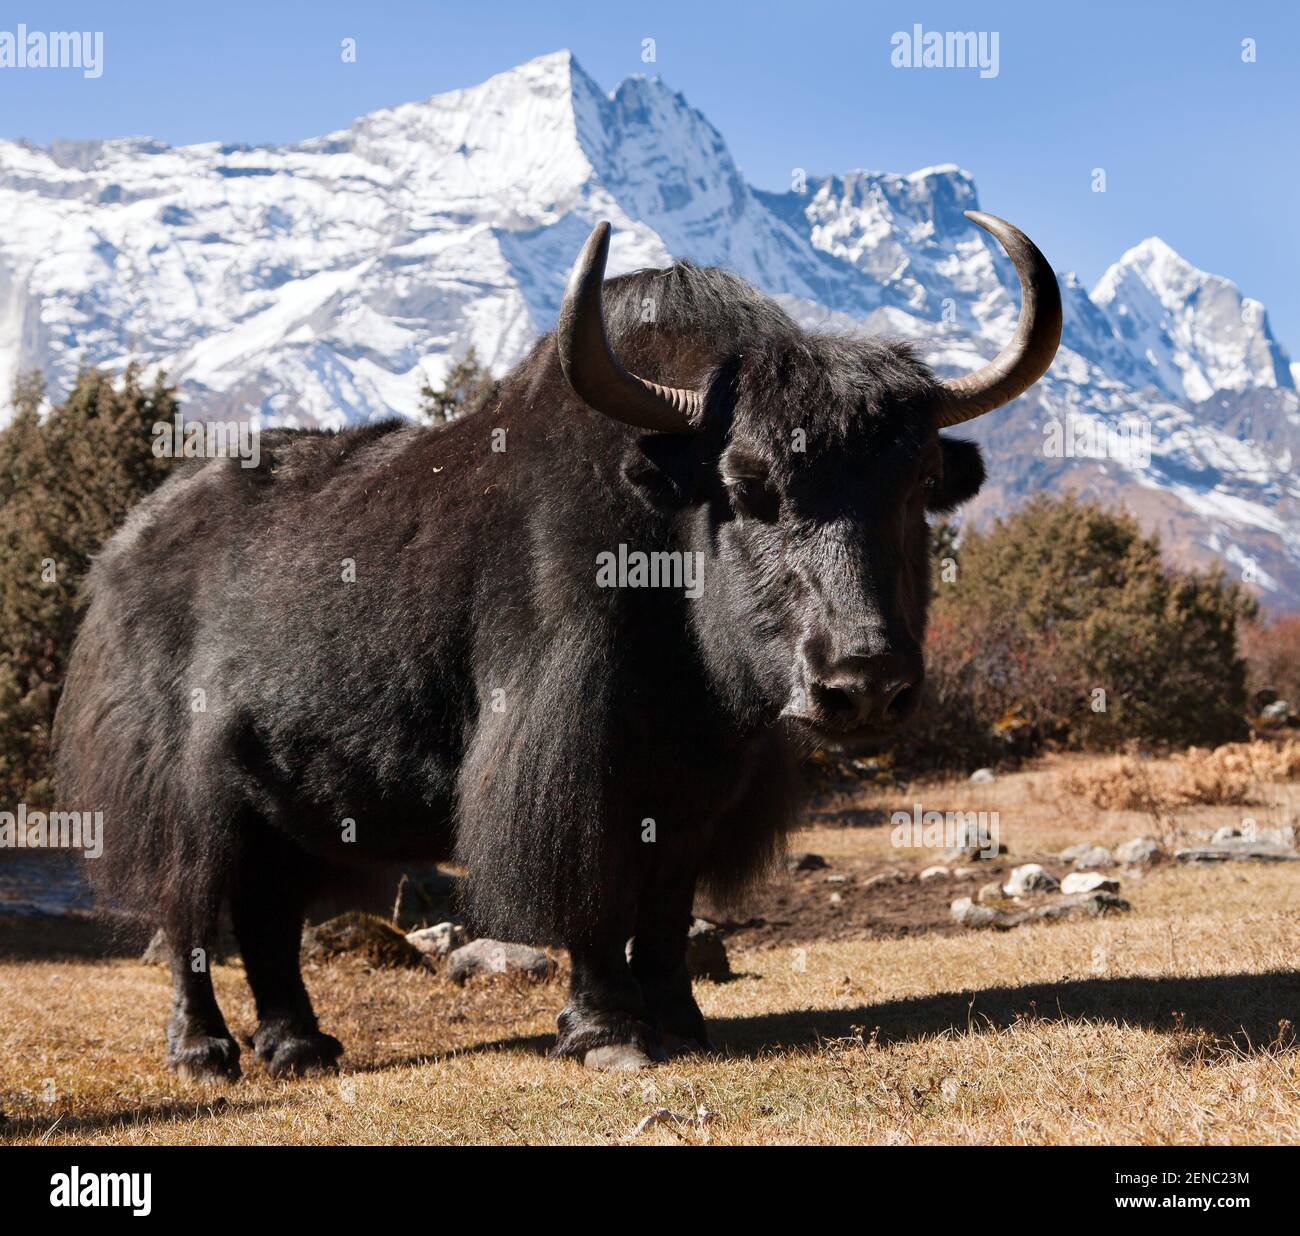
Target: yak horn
(595, 373)
(1038, 333)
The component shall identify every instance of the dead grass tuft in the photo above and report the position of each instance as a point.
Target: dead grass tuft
(1233, 774)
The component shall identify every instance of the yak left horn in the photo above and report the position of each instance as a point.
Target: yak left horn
(594, 371)
(1038, 333)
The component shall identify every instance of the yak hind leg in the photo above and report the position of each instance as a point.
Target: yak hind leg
(659, 962)
(268, 916)
(199, 1045)
(606, 1023)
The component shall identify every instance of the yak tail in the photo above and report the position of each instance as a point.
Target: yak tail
(167, 849)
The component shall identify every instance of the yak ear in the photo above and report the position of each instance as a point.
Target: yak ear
(660, 470)
(963, 474)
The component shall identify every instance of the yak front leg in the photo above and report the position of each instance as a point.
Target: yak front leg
(605, 1022)
(659, 959)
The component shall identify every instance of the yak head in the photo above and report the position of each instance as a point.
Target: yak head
(801, 467)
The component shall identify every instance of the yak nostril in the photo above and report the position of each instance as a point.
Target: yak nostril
(835, 702)
(898, 701)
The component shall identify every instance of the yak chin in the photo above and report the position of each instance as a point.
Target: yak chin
(808, 737)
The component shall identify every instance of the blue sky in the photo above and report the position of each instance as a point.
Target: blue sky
(1198, 147)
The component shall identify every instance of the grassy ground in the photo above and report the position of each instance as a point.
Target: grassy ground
(1167, 1025)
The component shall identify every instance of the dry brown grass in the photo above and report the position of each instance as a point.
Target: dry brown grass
(1167, 1025)
(1236, 773)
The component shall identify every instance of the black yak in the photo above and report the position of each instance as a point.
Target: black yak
(398, 644)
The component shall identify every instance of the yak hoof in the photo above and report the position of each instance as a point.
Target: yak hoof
(294, 1055)
(618, 1058)
(204, 1058)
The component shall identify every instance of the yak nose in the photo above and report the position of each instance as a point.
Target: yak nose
(879, 689)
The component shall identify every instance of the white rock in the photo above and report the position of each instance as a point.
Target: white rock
(1029, 878)
(438, 940)
(1139, 851)
(499, 957)
(982, 776)
(1089, 882)
(968, 914)
(1239, 849)
(935, 873)
(1087, 857)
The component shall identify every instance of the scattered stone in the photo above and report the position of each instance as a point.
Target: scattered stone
(979, 847)
(367, 936)
(990, 893)
(1080, 905)
(836, 898)
(495, 957)
(934, 873)
(425, 897)
(1093, 905)
(891, 875)
(1089, 882)
(968, 914)
(156, 952)
(1139, 852)
(438, 940)
(1030, 878)
(807, 862)
(982, 776)
(706, 952)
(1284, 836)
(965, 873)
(838, 879)
(1238, 850)
(1278, 710)
(1088, 857)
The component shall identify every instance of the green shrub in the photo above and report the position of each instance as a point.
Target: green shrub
(1064, 624)
(67, 481)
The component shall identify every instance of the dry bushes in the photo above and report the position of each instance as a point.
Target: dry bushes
(1063, 625)
(1229, 775)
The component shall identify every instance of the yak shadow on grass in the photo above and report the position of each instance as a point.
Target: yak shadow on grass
(1240, 1012)
(63, 1124)
(1211, 1017)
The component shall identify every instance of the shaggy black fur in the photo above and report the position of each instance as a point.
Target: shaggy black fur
(233, 701)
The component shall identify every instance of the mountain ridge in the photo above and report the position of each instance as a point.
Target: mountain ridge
(322, 281)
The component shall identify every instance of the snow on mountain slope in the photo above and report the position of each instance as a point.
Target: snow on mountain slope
(322, 282)
(1197, 330)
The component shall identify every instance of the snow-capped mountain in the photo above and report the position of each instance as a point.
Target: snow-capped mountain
(1197, 331)
(322, 282)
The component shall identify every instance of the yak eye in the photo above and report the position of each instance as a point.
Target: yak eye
(753, 498)
(930, 483)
